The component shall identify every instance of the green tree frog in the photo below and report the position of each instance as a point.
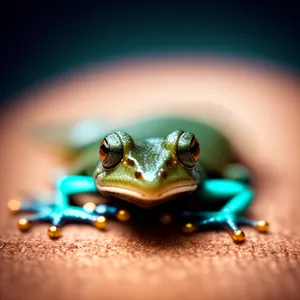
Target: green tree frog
(149, 164)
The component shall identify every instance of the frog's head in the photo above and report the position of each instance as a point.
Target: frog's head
(148, 172)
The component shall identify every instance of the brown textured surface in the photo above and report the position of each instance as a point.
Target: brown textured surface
(131, 263)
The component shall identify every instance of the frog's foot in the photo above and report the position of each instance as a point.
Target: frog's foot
(57, 215)
(229, 221)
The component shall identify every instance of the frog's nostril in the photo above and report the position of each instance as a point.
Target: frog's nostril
(169, 163)
(164, 174)
(138, 175)
(130, 162)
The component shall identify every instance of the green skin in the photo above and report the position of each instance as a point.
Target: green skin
(149, 172)
(149, 165)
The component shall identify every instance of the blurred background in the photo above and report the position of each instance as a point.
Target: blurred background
(42, 40)
(235, 64)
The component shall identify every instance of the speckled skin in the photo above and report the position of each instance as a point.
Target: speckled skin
(159, 171)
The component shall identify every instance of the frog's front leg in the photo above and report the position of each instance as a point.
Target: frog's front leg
(239, 198)
(60, 211)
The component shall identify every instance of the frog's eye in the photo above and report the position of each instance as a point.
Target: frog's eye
(188, 150)
(111, 151)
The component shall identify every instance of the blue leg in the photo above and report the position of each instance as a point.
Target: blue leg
(60, 210)
(238, 197)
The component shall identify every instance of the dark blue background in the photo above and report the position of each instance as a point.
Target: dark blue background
(41, 40)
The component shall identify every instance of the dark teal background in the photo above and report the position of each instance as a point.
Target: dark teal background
(42, 40)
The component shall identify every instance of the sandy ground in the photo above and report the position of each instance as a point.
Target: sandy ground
(256, 106)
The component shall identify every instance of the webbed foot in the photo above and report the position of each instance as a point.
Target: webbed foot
(228, 221)
(60, 211)
(58, 215)
(194, 221)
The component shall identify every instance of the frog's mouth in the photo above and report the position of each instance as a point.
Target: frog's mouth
(146, 198)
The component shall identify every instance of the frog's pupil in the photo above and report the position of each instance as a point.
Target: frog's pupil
(104, 147)
(195, 147)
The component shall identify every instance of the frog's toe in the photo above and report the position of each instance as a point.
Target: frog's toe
(89, 207)
(101, 223)
(238, 236)
(14, 205)
(112, 211)
(261, 226)
(166, 218)
(189, 228)
(123, 215)
(23, 224)
(54, 232)
(230, 223)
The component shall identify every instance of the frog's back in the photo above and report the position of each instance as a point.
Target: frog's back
(215, 148)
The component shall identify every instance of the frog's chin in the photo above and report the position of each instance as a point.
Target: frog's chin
(146, 198)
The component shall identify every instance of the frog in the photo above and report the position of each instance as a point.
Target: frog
(147, 164)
